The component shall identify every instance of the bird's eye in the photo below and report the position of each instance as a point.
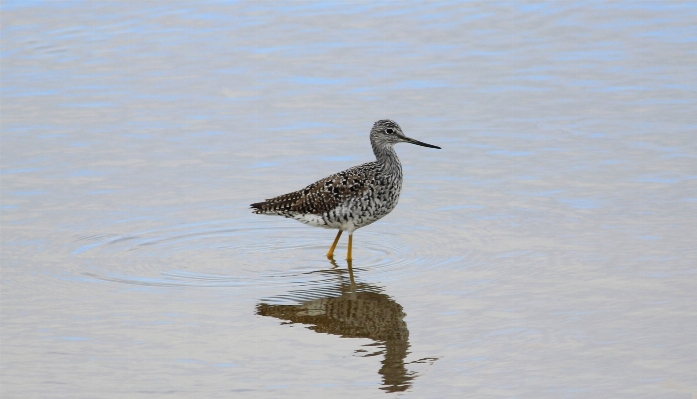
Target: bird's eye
(389, 131)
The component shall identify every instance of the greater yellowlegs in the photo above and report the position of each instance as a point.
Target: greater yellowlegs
(353, 198)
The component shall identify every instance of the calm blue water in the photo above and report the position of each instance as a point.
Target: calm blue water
(547, 251)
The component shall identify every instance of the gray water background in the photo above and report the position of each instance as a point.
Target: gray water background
(547, 251)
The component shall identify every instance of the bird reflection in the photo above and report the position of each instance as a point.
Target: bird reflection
(353, 310)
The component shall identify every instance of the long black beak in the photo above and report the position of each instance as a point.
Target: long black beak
(417, 142)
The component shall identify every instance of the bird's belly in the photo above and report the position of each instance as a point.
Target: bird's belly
(311, 219)
(356, 214)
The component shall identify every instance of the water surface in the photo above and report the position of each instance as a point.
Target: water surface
(547, 251)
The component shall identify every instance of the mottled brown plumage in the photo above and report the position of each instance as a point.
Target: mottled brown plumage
(353, 198)
(323, 195)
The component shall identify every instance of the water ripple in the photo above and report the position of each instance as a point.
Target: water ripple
(239, 253)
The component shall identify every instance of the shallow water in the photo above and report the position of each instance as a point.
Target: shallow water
(546, 251)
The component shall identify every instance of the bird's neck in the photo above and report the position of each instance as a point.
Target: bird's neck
(387, 158)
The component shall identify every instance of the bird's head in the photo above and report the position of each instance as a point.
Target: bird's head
(388, 133)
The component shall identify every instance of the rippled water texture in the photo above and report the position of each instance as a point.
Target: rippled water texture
(547, 251)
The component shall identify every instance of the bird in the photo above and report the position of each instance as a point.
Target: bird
(353, 198)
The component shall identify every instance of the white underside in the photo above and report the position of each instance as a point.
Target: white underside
(318, 221)
(335, 219)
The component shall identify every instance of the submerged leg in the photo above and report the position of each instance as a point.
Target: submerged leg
(349, 257)
(330, 254)
(353, 295)
(349, 262)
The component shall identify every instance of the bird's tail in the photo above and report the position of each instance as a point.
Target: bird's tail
(258, 207)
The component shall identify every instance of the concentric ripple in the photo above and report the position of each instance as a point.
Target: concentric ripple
(237, 253)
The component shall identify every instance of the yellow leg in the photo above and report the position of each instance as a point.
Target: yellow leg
(330, 254)
(349, 257)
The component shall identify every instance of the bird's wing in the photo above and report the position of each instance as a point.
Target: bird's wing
(323, 195)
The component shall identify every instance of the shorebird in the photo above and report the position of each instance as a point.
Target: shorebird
(353, 198)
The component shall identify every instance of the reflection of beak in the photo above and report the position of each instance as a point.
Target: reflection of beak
(417, 142)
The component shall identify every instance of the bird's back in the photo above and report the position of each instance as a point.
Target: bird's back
(359, 195)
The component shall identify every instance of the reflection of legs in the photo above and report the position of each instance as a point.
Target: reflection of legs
(353, 280)
(349, 257)
(352, 293)
(330, 254)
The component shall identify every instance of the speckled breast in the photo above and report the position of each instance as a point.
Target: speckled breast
(378, 201)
